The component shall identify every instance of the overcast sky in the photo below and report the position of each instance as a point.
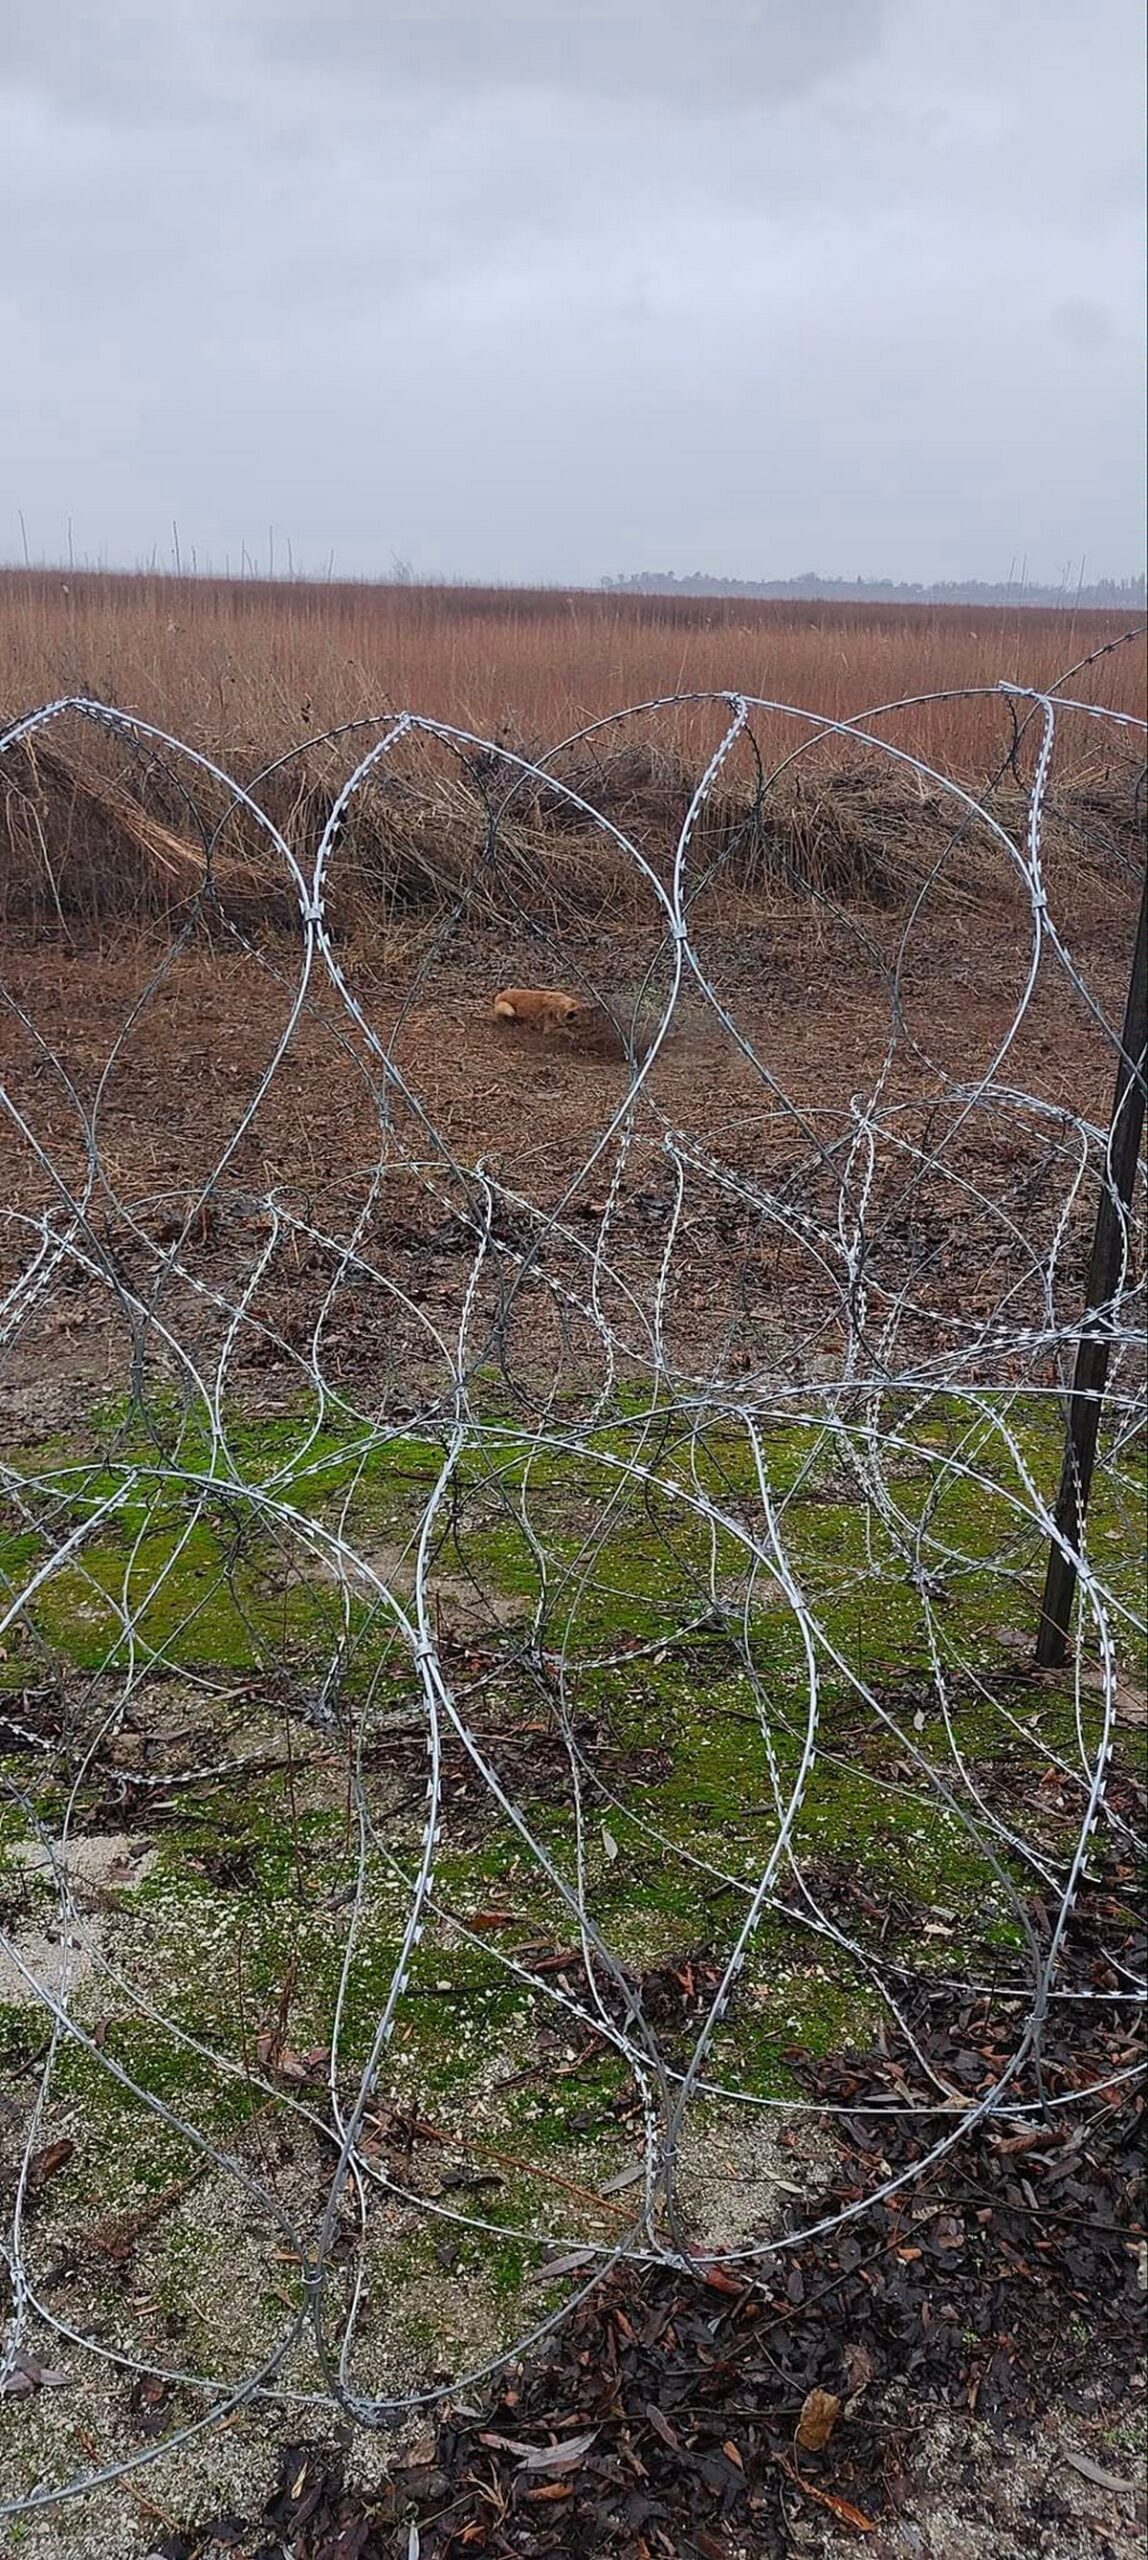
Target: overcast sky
(553, 289)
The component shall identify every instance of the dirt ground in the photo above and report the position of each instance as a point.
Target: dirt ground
(205, 1071)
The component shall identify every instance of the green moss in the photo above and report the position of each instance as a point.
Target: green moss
(241, 1924)
(23, 2029)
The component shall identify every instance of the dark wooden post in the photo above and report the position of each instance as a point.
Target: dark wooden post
(1090, 1375)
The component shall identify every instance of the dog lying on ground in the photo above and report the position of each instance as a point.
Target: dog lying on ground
(543, 1009)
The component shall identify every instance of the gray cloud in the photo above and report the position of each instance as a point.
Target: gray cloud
(553, 290)
(699, 55)
(1084, 322)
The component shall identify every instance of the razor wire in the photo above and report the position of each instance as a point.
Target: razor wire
(667, 1456)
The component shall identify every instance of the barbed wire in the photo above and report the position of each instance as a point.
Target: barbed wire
(630, 1463)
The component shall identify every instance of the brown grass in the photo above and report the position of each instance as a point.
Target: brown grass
(245, 671)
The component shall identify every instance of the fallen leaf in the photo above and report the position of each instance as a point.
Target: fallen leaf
(29, 2375)
(609, 1843)
(47, 2163)
(1015, 1640)
(566, 2266)
(720, 2282)
(1090, 2470)
(19, 2384)
(1130, 1704)
(283, 2064)
(544, 2457)
(839, 2507)
(625, 2178)
(947, 2233)
(662, 2427)
(859, 2371)
(560, 2457)
(820, 2411)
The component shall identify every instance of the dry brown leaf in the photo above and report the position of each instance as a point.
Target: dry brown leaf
(820, 2411)
(1130, 1704)
(625, 2178)
(564, 2266)
(1090, 2470)
(720, 2282)
(858, 2374)
(544, 2457)
(839, 2507)
(47, 2163)
(17, 2385)
(279, 2060)
(28, 2375)
(559, 2457)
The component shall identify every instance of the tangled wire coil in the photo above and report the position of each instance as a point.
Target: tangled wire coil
(671, 1525)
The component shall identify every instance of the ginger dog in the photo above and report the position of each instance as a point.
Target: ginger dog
(544, 1009)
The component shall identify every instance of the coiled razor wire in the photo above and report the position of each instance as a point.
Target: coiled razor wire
(574, 1418)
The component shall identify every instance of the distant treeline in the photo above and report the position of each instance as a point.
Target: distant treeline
(1106, 595)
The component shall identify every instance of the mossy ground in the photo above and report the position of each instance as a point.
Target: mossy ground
(220, 1664)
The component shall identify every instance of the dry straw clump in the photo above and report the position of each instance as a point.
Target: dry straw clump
(93, 836)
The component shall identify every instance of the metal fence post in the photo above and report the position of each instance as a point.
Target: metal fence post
(1109, 1246)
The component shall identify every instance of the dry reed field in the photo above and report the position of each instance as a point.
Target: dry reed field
(244, 670)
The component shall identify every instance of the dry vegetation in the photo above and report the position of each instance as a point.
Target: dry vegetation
(248, 672)
(244, 670)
